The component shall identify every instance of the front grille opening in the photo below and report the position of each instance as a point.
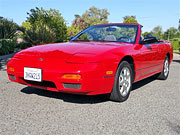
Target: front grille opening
(72, 85)
(12, 77)
(43, 83)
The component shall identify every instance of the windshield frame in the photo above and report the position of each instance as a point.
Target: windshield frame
(106, 25)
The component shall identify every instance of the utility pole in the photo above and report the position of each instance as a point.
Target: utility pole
(168, 35)
(179, 26)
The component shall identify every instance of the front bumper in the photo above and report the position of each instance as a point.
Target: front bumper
(92, 82)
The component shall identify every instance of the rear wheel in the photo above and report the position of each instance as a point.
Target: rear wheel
(123, 82)
(164, 74)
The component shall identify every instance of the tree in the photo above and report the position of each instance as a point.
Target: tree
(77, 26)
(179, 26)
(171, 33)
(72, 31)
(130, 19)
(8, 36)
(92, 16)
(79, 22)
(157, 32)
(145, 34)
(44, 26)
(7, 28)
(95, 15)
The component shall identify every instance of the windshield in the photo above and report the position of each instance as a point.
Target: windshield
(112, 33)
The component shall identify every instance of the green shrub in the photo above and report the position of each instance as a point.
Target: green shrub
(7, 29)
(44, 26)
(8, 36)
(175, 45)
(23, 45)
(7, 46)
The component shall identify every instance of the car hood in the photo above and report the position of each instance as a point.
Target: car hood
(67, 51)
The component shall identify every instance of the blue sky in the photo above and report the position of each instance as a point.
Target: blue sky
(165, 13)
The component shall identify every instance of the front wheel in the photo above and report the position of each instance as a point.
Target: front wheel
(164, 74)
(123, 82)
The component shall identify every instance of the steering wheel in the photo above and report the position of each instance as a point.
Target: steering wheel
(124, 39)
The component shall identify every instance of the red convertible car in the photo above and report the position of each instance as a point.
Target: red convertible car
(106, 58)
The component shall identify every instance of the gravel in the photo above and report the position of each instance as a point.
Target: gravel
(153, 108)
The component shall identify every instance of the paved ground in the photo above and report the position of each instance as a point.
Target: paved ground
(152, 108)
(3, 60)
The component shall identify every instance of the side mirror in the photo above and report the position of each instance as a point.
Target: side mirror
(149, 40)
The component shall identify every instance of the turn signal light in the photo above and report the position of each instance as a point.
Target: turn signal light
(11, 69)
(109, 72)
(72, 76)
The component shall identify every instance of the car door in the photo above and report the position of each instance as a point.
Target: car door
(149, 54)
(146, 59)
(161, 53)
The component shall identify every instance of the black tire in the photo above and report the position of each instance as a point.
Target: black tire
(115, 94)
(164, 75)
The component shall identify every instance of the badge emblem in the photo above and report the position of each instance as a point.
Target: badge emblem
(41, 59)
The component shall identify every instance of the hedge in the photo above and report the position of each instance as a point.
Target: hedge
(7, 46)
(175, 45)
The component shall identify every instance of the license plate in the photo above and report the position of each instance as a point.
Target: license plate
(33, 74)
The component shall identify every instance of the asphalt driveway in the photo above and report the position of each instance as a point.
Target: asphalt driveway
(152, 108)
